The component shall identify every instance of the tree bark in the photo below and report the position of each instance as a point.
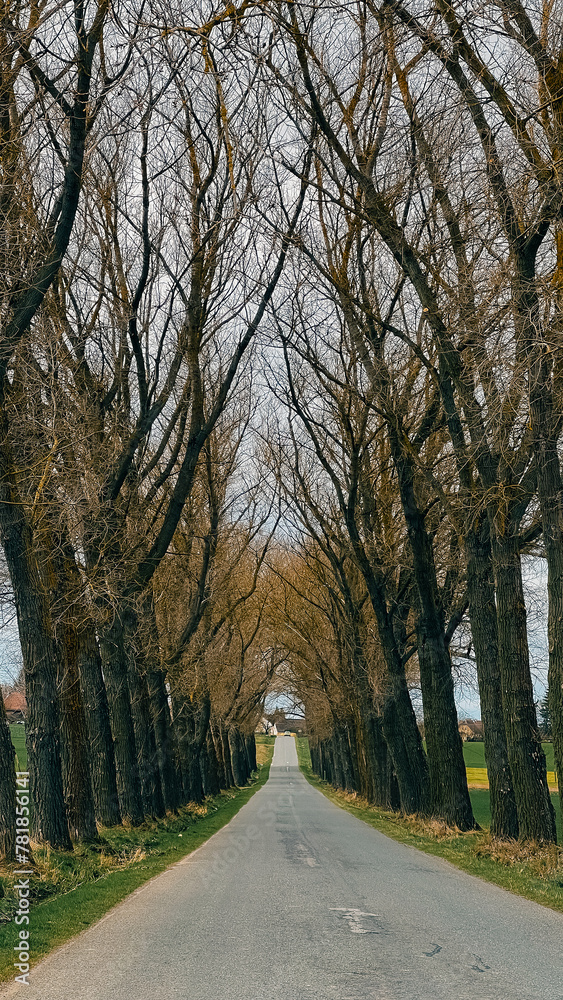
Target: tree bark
(483, 619)
(251, 751)
(39, 659)
(228, 765)
(7, 789)
(79, 800)
(115, 667)
(96, 710)
(164, 737)
(448, 778)
(536, 819)
(216, 736)
(238, 762)
(545, 418)
(209, 768)
(145, 743)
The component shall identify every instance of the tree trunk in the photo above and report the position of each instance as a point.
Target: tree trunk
(226, 747)
(147, 759)
(7, 789)
(545, 417)
(238, 762)
(550, 491)
(209, 769)
(79, 800)
(448, 778)
(358, 754)
(483, 619)
(382, 765)
(215, 730)
(115, 666)
(164, 737)
(251, 751)
(200, 710)
(96, 710)
(399, 721)
(193, 722)
(327, 769)
(536, 819)
(181, 742)
(39, 660)
(60, 576)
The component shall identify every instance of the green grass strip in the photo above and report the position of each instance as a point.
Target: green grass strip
(17, 732)
(535, 873)
(55, 920)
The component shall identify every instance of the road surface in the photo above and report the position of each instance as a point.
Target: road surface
(297, 899)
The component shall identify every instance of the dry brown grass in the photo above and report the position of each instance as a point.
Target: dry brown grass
(263, 753)
(431, 827)
(541, 860)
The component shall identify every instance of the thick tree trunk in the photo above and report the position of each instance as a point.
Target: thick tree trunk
(200, 710)
(216, 736)
(339, 780)
(214, 767)
(7, 789)
(250, 741)
(238, 762)
(147, 759)
(343, 753)
(327, 766)
(193, 723)
(115, 668)
(545, 414)
(483, 619)
(209, 768)
(399, 721)
(448, 778)
(79, 800)
(359, 756)
(39, 660)
(382, 766)
(314, 753)
(164, 737)
(536, 819)
(96, 710)
(228, 764)
(413, 789)
(550, 490)
(60, 576)
(182, 743)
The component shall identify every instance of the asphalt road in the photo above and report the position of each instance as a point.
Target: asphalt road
(297, 899)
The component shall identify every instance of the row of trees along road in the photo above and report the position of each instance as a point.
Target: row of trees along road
(374, 191)
(135, 274)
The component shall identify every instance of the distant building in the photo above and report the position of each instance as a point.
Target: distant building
(471, 730)
(292, 725)
(16, 706)
(266, 727)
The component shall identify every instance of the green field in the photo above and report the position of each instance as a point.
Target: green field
(18, 739)
(482, 811)
(474, 755)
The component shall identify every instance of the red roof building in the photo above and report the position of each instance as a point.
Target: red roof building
(16, 706)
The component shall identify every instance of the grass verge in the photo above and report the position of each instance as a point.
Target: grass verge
(70, 891)
(17, 733)
(532, 871)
